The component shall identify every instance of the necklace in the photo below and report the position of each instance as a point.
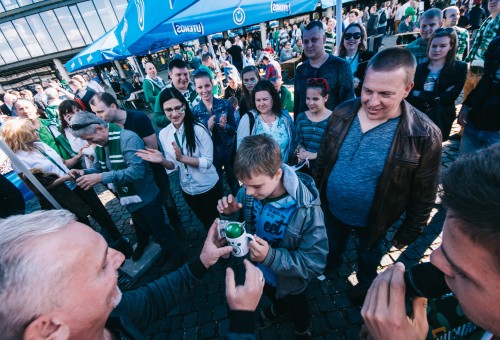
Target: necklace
(265, 121)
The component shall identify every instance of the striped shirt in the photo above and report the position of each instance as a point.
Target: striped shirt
(309, 134)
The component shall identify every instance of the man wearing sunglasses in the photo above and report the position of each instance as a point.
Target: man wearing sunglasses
(320, 64)
(379, 158)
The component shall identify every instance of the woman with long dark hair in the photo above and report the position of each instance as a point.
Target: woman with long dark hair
(439, 81)
(353, 48)
(250, 77)
(187, 145)
(268, 117)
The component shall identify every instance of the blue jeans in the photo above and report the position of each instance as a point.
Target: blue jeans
(474, 139)
(368, 256)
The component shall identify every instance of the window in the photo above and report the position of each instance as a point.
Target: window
(106, 13)
(5, 51)
(91, 19)
(119, 6)
(69, 26)
(55, 31)
(41, 34)
(9, 4)
(14, 41)
(26, 35)
(81, 25)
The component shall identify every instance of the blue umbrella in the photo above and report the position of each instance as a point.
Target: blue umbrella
(143, 16)
(100, 52)
(205, 17)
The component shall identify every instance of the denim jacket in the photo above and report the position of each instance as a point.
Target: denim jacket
(302, 254)
(223, 139)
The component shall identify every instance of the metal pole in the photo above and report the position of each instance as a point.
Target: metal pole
(14, 159)
(338, 10)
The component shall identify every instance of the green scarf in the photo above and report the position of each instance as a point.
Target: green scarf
(126, 193)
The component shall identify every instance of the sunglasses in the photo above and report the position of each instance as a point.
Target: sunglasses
(76, 127)
(444, 30)
(349, 36)
(179, 108)
(318, 81)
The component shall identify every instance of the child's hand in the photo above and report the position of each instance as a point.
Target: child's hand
(228, 205)
(258, 249)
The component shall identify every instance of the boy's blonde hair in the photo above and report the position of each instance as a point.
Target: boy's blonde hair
(257, 155)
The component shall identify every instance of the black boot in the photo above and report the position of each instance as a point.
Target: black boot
(123, 245)
(139, 251)
(175, 222)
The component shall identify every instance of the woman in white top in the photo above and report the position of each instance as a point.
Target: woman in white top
(21, 136)
(187, 145)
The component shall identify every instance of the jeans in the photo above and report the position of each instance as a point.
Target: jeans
(204, 205)
(474, 139)
(150, 220)
(296, 304)
(368, 256)
(162, 181)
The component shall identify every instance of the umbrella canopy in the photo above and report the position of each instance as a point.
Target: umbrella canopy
(142, 17)
(203, 17)
(100, 52)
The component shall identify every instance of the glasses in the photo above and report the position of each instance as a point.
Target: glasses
(179, 108)
(349, 36)
(76, 127)
(318, 81)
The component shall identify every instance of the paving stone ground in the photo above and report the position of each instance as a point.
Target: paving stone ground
(204, 315)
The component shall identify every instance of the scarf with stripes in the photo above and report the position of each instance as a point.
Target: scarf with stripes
(126, 193)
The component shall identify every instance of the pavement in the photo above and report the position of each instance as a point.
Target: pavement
(205, 314)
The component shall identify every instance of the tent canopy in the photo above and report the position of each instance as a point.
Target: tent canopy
(100, 52)
(204, 17)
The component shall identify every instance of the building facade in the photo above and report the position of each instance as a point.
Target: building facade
(38, 36)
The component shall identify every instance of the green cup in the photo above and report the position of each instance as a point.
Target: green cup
(234, 230)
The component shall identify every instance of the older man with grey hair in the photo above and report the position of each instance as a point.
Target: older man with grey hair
(130, 178)
(59, 281)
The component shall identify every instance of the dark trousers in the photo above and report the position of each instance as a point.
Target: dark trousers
(150, 220)
(11, 199)
(204, 205)
(99, 212)
(226, 160)
(162, 181)
(295, 304)
(369, 256)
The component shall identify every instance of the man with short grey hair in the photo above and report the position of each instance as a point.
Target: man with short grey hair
(130, 178)
(59, 281)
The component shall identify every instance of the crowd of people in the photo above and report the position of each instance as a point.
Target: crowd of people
(366, 128)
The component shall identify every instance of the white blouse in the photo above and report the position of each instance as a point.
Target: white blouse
(35, 159)
(193, 180)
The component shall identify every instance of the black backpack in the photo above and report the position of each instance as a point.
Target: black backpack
(383, 18)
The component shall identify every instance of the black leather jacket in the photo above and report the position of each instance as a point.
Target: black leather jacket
(410, 176)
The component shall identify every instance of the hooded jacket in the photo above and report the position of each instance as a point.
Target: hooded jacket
(303, 250)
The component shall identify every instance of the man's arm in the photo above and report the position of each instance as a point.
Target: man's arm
(148, 304)
(135, 166)
(159, 116)
(423, 191)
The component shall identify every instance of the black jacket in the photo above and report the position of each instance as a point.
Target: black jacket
(409, 180)
(5, 110)
(363, 59)
(446, 90)
(484, 100)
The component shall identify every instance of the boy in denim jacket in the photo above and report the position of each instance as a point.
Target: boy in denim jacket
(283, 209)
